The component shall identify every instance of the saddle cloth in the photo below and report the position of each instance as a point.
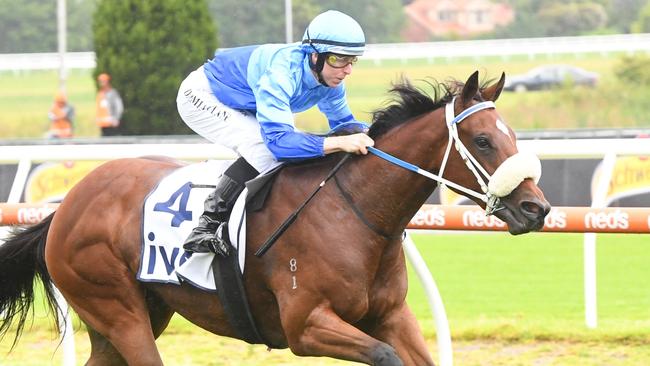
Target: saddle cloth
(171, 210)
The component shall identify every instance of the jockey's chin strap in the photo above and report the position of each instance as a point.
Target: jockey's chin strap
(492, 202)
(320, 62)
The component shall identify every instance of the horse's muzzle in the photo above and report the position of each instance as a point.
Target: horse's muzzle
(526, 216)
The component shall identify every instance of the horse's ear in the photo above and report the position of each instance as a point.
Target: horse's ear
(470, 88)
(492, 92)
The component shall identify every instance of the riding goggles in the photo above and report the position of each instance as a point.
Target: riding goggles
(340, 61)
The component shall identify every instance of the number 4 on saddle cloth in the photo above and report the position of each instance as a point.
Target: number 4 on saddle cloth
(172, 210)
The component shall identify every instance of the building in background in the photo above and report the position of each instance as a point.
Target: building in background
(438, 18)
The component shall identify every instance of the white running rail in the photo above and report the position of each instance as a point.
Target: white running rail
(548, 46)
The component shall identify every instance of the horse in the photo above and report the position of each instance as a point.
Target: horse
(344, 250)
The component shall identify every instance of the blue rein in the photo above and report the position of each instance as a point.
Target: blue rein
(451, 121)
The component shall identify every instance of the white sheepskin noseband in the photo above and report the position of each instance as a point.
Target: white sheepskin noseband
(513, 171)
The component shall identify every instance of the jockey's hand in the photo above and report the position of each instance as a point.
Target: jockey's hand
(356, 143)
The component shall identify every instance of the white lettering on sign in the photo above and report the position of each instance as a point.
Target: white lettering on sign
(33, 215)
(555, 219)
(612, 220)
(429, 217)
(479, 219)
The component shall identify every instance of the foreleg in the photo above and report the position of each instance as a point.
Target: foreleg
(401, 330)
(323, 333)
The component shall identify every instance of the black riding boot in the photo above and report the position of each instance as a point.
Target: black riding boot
(209, 235)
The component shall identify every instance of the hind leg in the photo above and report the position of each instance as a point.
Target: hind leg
(102, 351)
(159, 313)
(119, 331)
(110, 300)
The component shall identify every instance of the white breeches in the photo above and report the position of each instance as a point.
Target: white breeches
(208, 117)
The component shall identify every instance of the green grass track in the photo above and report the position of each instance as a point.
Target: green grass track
(510, 301)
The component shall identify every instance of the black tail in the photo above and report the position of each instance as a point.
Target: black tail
(22, 258)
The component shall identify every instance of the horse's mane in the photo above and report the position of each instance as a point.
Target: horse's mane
(410, 101)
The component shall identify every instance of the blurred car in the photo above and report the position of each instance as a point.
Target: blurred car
(551, 76)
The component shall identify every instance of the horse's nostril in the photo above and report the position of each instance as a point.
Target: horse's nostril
(534, 210)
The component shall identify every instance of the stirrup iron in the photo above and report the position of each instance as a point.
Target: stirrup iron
(217, 243)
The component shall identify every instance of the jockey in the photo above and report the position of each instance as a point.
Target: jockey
(245, 98)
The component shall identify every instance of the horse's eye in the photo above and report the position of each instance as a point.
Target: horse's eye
(482, 142)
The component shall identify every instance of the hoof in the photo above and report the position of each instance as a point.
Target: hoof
(385, 355)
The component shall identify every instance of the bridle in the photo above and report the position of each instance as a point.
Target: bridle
(452, 122)
(492, 202)
(504, 180)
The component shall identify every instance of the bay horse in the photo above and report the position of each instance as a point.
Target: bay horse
(345, 247)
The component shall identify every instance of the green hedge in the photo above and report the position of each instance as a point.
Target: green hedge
(149, 47)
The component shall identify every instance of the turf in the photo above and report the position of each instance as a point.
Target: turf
(531, 286)
(25, 97)
(495, 285)
(510, 300)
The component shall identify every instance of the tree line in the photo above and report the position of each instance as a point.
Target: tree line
(548, 18)
(31, 25)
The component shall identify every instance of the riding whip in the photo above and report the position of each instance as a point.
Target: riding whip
(285, 225)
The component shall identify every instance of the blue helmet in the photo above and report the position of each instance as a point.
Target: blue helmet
(333, 31)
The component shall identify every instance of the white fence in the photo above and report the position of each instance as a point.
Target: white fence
(46, 61)
(627, 43)
(556, 148)
(531, 47)
(608, 148)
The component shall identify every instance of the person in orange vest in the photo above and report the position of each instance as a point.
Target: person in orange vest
(109, 106)
(61, 115)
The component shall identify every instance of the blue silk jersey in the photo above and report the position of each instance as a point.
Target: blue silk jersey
(274, 82)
